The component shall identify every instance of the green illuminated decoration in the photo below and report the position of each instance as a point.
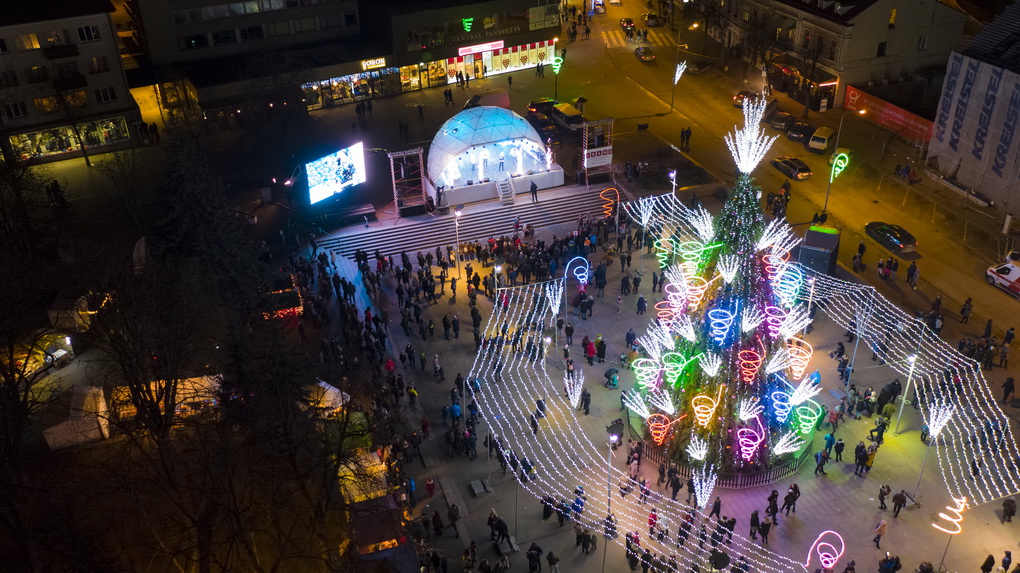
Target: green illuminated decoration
(839, 163)
(467, 23)
(556, 63)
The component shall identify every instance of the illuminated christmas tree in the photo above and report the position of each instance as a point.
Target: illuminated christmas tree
(724, 381)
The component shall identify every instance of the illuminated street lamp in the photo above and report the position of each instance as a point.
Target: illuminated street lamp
(456, 221)
(839, 162)
(906, 391)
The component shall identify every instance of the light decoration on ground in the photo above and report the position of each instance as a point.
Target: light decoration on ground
(800, 354)
(663, 401)
(574, 386)
(787, 443)
(797, 319)
(778, 238)
(610, 196)
(710, 364)
(720, 321)
(664, 250)
(780, 361)
(750, 318)
(704, 482)
(728, 265)
(830, 548)
(954, 519)
(582, 270)
(704, 407)
(697, 448)
(774, 317)
(749, 145)
(781, 406)
(774, 264)
(808, 415)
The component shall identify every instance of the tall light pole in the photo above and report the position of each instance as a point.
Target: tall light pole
(840, 161)
(906, 391)
(609, 491)
(938, 418)
(456, 223)
(499, 270)
(681, 67)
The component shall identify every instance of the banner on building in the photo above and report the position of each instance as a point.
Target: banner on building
(896, 119)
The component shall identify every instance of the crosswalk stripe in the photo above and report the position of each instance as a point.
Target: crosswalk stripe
(617, 39)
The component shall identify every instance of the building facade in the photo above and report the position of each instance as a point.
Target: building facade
(858, 42)
(62, 87)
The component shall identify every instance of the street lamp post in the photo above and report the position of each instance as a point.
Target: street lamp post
(810, 301)
(906, 391)
(679, 71)
(835, 162)
(456, 222)
(609, 491)
(499, 270)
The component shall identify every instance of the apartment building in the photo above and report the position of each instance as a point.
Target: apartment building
(62, 87)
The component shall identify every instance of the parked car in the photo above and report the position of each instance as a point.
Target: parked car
(542, 105)
(893, 237)
(627, 24)
(848, 152)
(1005, 276)
(615, 3)
(651, 20)
(800, 131)
(792, 167)
(644, 54)
(700, 67)
(545, 127)
(783, 121)
(738, 100)
(600, 7)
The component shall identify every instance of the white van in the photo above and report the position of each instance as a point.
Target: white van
(822, 139)
(567, 116)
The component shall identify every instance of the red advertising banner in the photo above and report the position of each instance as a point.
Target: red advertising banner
(882, 113)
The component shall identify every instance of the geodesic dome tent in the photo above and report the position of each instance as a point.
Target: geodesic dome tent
(480, 128)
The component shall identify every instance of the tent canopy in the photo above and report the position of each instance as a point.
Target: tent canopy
(476, 127)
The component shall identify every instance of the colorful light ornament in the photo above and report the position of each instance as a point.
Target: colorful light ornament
(787, 284)
(574, 385)
(750, 362)
(704, 407)
(658, 426)
(704, 483)
(685, 328)
(774, 264)
(710, 364)
(750, 318)
(647, 372)
(778, 237)
(800, 354)
(720, 321)
(748, 439)
(663, 401)
(954, 518)
(781, 406)
(749, 144)
(697, 448)
(807, 389)
(664, 250)
(727, 267)
(608, 207)
(789, 442)
(830, 548)
(780, 361)
(581, 271)
(797, 318)
(636, 404)
(774, 317)
(665, 311)
(675, 364)
(807, 416)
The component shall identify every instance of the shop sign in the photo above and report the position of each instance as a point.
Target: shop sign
(489, 46)
(598, 156)
(884, 114)
(373, 64)
(485, 34)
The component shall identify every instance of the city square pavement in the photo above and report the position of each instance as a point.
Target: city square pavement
(838, 501)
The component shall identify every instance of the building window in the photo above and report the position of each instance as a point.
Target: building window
(16, 109)
(57, 38)
(806, 43)
(28, 42)
(224, 37)
(3, 46)
(46, 104)
(270, 5)
(892, 18)
(747, 14)
(88, 34)
(194, 42)
(104, 95)
(8, 78)
(922, 43)
(251, 33)
(98, 64)
(38, 74)
(881, 49)
(329, 21)
(67, 69)
(278, 29)
(76, 99)
(304, 25)
(350, 18)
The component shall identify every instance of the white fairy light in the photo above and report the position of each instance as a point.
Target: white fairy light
(684, 328)
(704, 482)
(940, 415)
(680, 69)
(806, 390)
(785, 245)
(554, 291)
(777, 232)
(710, 363)
(750, 318)
(636, 403)
(574, 387)
(788, 442)
(697, 448)
(727, 267)
(749, 409)
(749, 144)
(797, 318)
(663, 401)
(675, 274)
(779, 361)
(656, 341)
(703, 223)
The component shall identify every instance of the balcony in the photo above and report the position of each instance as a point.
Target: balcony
(66, 83)
(60, 51)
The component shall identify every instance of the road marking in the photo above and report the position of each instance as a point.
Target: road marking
(656, 37)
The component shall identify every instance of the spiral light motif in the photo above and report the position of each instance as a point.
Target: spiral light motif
(749, 439)
(609, 201)
(807, 416)
(720, 322)
(787, 284)
(647, 372)
(828, 554)
(658, 426)
(774, 264)
(781, 406)
(750, 364)
(774, 317)
(800, 354)
(704, 407)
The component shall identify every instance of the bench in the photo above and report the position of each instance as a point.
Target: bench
(479, 486)
(507, 546)
(837, 393)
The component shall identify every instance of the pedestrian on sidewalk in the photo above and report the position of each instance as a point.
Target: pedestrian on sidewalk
(755, 522)
(764, 529)
(453, 515)
(1008, 510)
(839, 449)
(883, 492)
(430, 487)
(716, 508)
(879, 532)
(988, 565)
(437, 523)
(899, 502)
(509, 81)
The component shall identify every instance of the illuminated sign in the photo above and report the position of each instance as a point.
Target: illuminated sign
(373, 64)
(498, 45)
(954, 517)
(467, 23)
(598, 156)
(556, 63)
(839, 163)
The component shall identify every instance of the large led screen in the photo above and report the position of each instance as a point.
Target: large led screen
(336, 172)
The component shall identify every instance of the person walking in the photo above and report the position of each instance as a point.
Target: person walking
(988, 565)
(453, 515)
(1008, 388)
(1008, 510)
(879, 532)
(509, 81)
(883, 492)
(838, 448)
(966, 310)
(716, 508)
(534, 199)
(899, 502)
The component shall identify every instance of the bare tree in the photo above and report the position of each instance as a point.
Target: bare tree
(764, 44)
(807, 57)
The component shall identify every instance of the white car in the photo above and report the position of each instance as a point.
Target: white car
(1005, 276)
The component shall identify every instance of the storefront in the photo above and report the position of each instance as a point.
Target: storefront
(374, 80)
(58, 140)
(786, 76)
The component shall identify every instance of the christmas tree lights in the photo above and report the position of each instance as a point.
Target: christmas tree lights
(697, 448)
(787, 443)
(704, 482)
(749, 145)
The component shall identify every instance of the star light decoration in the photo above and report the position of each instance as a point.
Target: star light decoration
(697, 448)
(704, 482)
(750, 144)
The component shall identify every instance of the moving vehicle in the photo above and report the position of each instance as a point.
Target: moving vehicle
(567, 116)
(627, 24)
(771, 103)
(644, 54)
(821, 139)
(738, 100)
(1005, 276)
(893, 237)
(542, 105)
(700, 67)
(783, 121)
(844, 150)
(545, 127)
(800, 131)
(792, 167)
(651, 20)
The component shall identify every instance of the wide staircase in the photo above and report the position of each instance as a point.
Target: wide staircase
(505, 188)
(427, 233)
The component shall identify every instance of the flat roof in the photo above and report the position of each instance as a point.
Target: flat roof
(23, 12)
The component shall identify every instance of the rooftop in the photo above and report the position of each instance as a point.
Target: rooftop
(21, 12)
(999, 42)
